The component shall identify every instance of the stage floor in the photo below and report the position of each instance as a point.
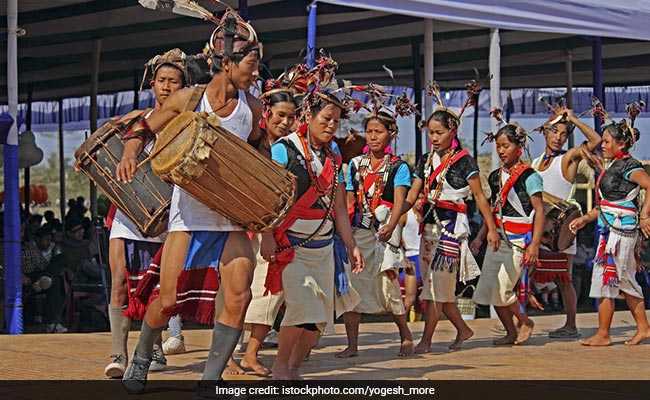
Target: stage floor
(83, 356)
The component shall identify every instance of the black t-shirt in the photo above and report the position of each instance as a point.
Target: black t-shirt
(615, 183)
(457, 177)
(520, 189)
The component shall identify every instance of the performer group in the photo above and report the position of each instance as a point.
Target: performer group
(341, 248)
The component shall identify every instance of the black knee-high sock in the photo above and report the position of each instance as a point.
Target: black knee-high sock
(148, 336)
(224, 340)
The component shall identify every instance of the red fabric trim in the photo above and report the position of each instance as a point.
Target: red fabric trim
(453, 160)
(450, 205)
(614, 205)
(110, 216)
(515, 227)
(144, 293)
(302, 209)
(515, 173)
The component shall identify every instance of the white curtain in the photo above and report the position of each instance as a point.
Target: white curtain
(607, 18)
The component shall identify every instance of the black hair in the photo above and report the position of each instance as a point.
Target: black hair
(514, 133)
(172, 66)
(623, 132)
(197, 69)
(384, 118)
(446, 118)
(281, 97)
(216, 65)
(570, 127)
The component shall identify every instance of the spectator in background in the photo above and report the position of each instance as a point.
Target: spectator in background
(33, 224)
(43, 271)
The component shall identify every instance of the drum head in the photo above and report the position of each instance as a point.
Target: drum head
(173, 142)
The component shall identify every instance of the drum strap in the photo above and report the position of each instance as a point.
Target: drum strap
(195, 97)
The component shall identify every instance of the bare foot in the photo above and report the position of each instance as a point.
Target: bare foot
(596, 340)
(281, 374)
(406, 349)
(638, 338)
(422, 348)
(347, 353)
(504, 341)
(232, 368)
(460, 338)
(524, 332)
(255, 366)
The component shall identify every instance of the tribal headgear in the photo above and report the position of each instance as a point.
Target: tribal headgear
(519, 134)
(472, 87)
(175, 58)
(624, 127)
(377, 105)
(293, 81)
(554, 118)
(233, 38)
(322, 87)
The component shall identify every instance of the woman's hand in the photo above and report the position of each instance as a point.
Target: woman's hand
(532, 254)
(357, 259)
(268, 247)
(385, 232)
(577, 224)
(475, 246)
(493, 240)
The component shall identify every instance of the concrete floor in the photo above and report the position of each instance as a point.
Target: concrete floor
(83, 356)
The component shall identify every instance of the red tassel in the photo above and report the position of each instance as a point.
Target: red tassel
(610, 277)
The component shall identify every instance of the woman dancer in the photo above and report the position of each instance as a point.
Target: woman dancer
(619, 219)
(447, 176)
(278, 119)
(519, 212)
(377, 181)
(300, 250)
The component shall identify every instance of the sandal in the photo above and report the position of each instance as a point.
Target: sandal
(564, 333)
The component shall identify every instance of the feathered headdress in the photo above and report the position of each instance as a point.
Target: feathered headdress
(294, 81)
(321, 86)
(473, 88)
(233, 36)
(378, 104)
(626, 125)
(520, 135)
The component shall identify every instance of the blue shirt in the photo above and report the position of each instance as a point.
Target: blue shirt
(280, 155)
(402, 178)
(534, 184)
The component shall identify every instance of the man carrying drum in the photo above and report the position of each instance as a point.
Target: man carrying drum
(200, 240)
(129, 251)
(558, 169)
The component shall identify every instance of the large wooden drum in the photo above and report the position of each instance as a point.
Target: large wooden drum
(223, 172)
(147, 198)
(558, 215)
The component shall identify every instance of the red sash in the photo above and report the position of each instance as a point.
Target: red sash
(515, 173)
(302, 209)
(453, 160)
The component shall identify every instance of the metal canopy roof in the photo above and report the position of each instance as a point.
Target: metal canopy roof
(54, 57)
